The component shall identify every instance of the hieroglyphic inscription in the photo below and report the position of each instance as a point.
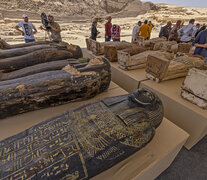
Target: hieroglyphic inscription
(78, 144)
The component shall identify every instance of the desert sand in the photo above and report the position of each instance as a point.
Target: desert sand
(76, 30)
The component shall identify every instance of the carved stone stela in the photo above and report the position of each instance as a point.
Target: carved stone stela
(194, 88)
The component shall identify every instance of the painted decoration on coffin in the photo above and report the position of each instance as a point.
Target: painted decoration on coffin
(84, 141)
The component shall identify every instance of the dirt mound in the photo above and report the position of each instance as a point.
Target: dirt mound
(85, 8)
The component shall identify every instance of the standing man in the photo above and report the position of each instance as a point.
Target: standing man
(54, 29)
(165, 30)
(27, 29)
(136, 31)
(188, 32)
(94, 31)
(108, 27)
(174, 32)
(144, 30)
(150, 28)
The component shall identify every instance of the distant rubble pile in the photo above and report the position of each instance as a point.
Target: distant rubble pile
(89, 8)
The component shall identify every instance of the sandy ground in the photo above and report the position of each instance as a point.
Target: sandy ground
(75, 32)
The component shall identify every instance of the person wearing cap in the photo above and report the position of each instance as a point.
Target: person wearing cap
(108, 27)
(27, 29)
(135, 31)
(54, 29)
(94, 31)
(115, 32)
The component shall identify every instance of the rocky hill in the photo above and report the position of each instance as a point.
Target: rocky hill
(84, 8)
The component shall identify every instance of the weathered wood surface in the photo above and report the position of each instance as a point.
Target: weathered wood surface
(139, 41)
(88, 44)
(97, 48)
(160, 69)
(21, 51)
(85, 140)
(129, 62)
(49, 66)
(181, 48)
(110, 51)
(5, 45)
(39, 56)
(151, 43)
(164, 46)
(194, 88)
(54, 87)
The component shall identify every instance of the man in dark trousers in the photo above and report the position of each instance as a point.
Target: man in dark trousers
(94, 31)
(108, 27)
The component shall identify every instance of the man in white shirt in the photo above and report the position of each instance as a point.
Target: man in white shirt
(135, 31)
(27, 29)
(187, 32)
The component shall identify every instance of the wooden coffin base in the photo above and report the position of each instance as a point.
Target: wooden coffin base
(161, 69)
(135, 61)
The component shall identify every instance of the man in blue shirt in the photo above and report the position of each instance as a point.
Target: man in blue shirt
(201, 44)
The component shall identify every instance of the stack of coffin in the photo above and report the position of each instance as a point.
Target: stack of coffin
(38, 76)
(136, 58)
(98, 48)
(194, 88)
(172, 47)
(160, 69)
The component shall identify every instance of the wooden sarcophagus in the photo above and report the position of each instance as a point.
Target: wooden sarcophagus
(23, 57)
(5, 45)
(136, 59)
(151, 43)
(49, 87)
(98, 48)
(194, 88)
(83, 141)
(160, 69)
(110, 51)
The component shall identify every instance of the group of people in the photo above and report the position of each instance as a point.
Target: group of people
(111, 31)
(28, 29)
(197, 34)
(143, 30)
(181, 33)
